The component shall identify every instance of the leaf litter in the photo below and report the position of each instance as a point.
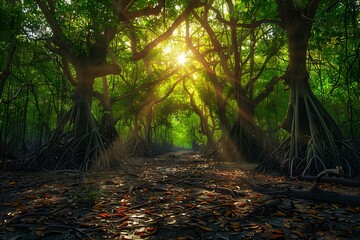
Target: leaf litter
(179, 198)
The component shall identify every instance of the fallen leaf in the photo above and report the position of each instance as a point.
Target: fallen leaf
(10, 229)
(123, 224)
(217, 213)
(104, 215)
(149, 211)
(190, 205)
(208, 229)
(280, 214)
(115, 235)
(40, 232)
(317, 217)
(235, 224)
(277, 236)
(298, 233)
(357, 226)
(151, 230)
(228, 213)
(120, 214)
(336, 206)
(268, 225)
(16, 204)
(278, 231)
(99, 206)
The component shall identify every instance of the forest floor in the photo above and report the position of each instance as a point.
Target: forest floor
(175, 196)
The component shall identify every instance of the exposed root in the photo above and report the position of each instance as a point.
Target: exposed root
(138, 147)
(77, 143)
(315, 143)
(350, 154)
(116, 156)
(64, 154)
(212, 151)
(225, 150)
(243, 143)
(7, 155)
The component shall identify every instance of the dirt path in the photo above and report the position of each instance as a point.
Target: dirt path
(175, 196)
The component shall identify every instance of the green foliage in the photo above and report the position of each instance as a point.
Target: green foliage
(88, 195)
(11, 19)
(45, 92)
(84, 22)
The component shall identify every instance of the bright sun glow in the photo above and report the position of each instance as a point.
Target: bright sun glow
(182, 59)
(167, 49)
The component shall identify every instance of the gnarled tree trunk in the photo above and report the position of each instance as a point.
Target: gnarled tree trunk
(312, 146)
(87, 140)
(246, 141)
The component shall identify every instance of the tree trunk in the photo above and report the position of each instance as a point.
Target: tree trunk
(84, 124)
(312, 145)
(77, 142)
(149, 117)
(107, 121)
(82, 101)
(204, 125)
(247, 142)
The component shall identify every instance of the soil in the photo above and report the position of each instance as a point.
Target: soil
(176, 196)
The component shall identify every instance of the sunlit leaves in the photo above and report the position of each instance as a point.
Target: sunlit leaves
(84, 22)
(333, 59)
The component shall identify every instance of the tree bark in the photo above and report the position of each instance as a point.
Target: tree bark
(107, 121)
(83, 121)
(313, 131)
(204, 125)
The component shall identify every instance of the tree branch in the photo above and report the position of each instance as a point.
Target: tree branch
(244, 25)
(99, 96)
(104, 69)
(215, 42)
(268, 89)
(67, 72)
(49, 15)
(124, 14)
(181, 18)
(167, 94)
(12, 98)
(311, 8)
(252, 81)
(145, 85)
(113, 59)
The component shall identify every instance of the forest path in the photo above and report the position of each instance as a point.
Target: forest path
(173, 196)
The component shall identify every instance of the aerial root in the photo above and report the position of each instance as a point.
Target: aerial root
(65, 151)
(310, 154)
(138, 147)
(242, 143)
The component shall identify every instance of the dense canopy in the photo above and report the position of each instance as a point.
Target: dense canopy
(89, 83)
